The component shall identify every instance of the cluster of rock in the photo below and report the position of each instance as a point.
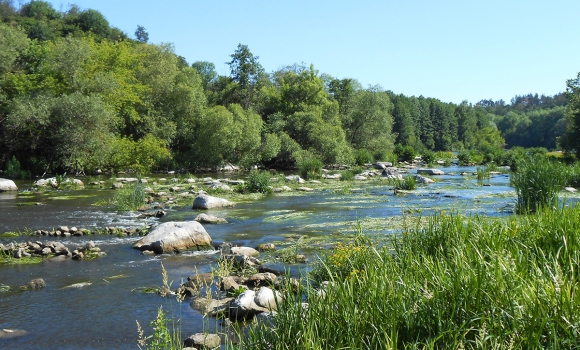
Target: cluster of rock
(7, 185)
(48, 249)
(53, 182)
(65, 231)
(244, 297)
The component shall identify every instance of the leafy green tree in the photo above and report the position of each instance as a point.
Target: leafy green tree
(141, 34)
(369, 125)
(571, 141)
(246, 71)
(466, 124)
(39, 9)
(13, 41)
(93, 21)
(207, 72)
(70, 132)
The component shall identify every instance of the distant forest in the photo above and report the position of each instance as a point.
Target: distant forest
(77, 95)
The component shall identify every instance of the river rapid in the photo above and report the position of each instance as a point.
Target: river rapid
(103, 313)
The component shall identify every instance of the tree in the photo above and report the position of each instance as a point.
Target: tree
(370, 122)
(12, 42)
(207, 72)
(39, 10)
(246, 72)
(571, 141)
(141, 34)
(93, 21)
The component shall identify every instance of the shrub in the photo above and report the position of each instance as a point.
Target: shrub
(405, 153)
(310, 167)
(362, 157)
(428, 157)
(14, 171)
(348, 175)
(537, 183)
(446, 157)
(258, 181)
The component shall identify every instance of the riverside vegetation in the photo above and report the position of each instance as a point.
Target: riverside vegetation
(79, 95)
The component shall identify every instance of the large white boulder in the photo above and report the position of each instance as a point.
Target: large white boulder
(244, 307)
(175, 237)
(203, 201)
(7, 185)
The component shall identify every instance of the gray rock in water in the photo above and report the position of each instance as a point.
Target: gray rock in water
(203, 341)
(209, 219)
(430, 171)
(423, 180)
(35, 284)
(262, 279)
(245, 251)
(7, 185)
(266, 247)
(11, 333)
(382, 165)
(208, 202)
(172, 237)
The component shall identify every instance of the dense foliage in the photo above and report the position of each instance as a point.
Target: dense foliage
(78, 95)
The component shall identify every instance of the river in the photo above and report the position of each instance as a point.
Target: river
(103, 315)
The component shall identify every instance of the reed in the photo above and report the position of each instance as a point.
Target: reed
(131, 197)
(462, 282)
(537, 183)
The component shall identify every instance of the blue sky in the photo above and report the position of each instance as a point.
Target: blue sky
(449, 49)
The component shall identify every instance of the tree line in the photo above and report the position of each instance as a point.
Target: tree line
(77, 95)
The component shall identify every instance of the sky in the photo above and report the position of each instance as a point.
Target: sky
(453, 50)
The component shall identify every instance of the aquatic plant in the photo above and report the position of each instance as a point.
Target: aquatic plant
(537, 183)
(130, 197)
(462, 282)
(408, 183)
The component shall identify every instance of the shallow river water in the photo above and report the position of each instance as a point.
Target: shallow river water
(102, 315)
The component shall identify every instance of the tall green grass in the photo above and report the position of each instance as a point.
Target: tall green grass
(537, 183)
(130, 197)
(459, 283)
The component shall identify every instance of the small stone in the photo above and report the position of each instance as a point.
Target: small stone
(203, 341)
(266, 247)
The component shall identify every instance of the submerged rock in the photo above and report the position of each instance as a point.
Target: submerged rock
(173, 237)
(35, 284)
(11, 333)
(7, 185)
